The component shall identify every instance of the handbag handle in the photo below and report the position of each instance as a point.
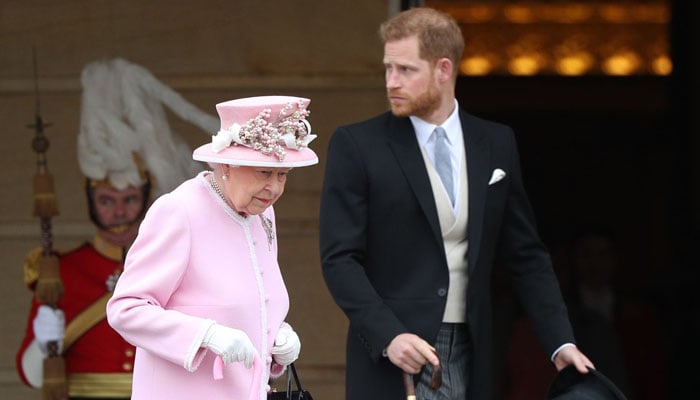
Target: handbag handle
(291, 370)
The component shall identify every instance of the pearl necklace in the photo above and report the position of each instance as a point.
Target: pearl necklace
(216, 187)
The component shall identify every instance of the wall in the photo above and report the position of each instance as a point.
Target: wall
(209, 51)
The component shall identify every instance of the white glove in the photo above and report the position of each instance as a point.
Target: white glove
(231, 344)
(287, 345)
(49, 326)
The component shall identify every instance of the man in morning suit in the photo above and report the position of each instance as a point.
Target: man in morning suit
(417, 205)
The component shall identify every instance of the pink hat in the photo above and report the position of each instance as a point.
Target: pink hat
(264, 131)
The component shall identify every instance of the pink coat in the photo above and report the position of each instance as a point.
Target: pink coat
(195, 262)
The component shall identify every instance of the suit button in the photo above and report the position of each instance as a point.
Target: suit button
(442, 292)
(127, 366)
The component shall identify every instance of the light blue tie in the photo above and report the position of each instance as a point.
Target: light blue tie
(442, 162)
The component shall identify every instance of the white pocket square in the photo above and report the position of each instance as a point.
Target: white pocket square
(497, 175)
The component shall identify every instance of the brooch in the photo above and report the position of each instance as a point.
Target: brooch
(267, 225)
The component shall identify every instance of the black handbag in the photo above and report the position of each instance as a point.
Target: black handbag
(289, 394)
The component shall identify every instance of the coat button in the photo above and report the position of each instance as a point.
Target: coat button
(442, 292)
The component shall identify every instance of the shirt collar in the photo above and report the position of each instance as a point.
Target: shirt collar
(452, 126)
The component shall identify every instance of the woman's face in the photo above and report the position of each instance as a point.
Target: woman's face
(253, 189)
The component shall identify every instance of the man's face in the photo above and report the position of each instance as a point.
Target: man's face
(117, 207)
(411, 82)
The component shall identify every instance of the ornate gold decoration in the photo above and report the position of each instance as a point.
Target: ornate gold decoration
(617, 38)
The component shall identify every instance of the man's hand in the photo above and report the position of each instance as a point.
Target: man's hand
(410, 353)
(571, 355)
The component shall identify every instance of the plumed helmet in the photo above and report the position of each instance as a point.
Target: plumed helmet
(125, 138)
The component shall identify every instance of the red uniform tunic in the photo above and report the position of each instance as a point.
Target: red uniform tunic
(100, 362)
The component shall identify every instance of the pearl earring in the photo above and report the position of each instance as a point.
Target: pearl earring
(224, 177)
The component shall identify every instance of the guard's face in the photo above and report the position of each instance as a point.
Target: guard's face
(251, 190)
(411, 82)
(117, 207)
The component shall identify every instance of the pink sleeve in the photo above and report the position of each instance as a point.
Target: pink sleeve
(154, 267)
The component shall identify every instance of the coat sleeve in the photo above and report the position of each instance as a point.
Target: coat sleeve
(153, 269)
(530, 265)
(343, 246)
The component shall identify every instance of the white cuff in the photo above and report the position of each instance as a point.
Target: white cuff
(554, 355)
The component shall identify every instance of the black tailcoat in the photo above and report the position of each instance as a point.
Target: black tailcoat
(383, 256)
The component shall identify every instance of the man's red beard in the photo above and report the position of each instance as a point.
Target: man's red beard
(421, 106)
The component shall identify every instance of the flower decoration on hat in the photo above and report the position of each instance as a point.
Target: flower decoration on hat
(290, 129)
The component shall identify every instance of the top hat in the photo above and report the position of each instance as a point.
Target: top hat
(263, 131)
(569, 384)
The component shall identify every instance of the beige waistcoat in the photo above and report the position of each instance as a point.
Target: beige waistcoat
(453, 224)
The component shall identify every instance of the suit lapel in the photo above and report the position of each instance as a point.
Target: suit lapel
(402, 141)
(478, 155)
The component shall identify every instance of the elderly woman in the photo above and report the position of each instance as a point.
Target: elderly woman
(201, 296)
